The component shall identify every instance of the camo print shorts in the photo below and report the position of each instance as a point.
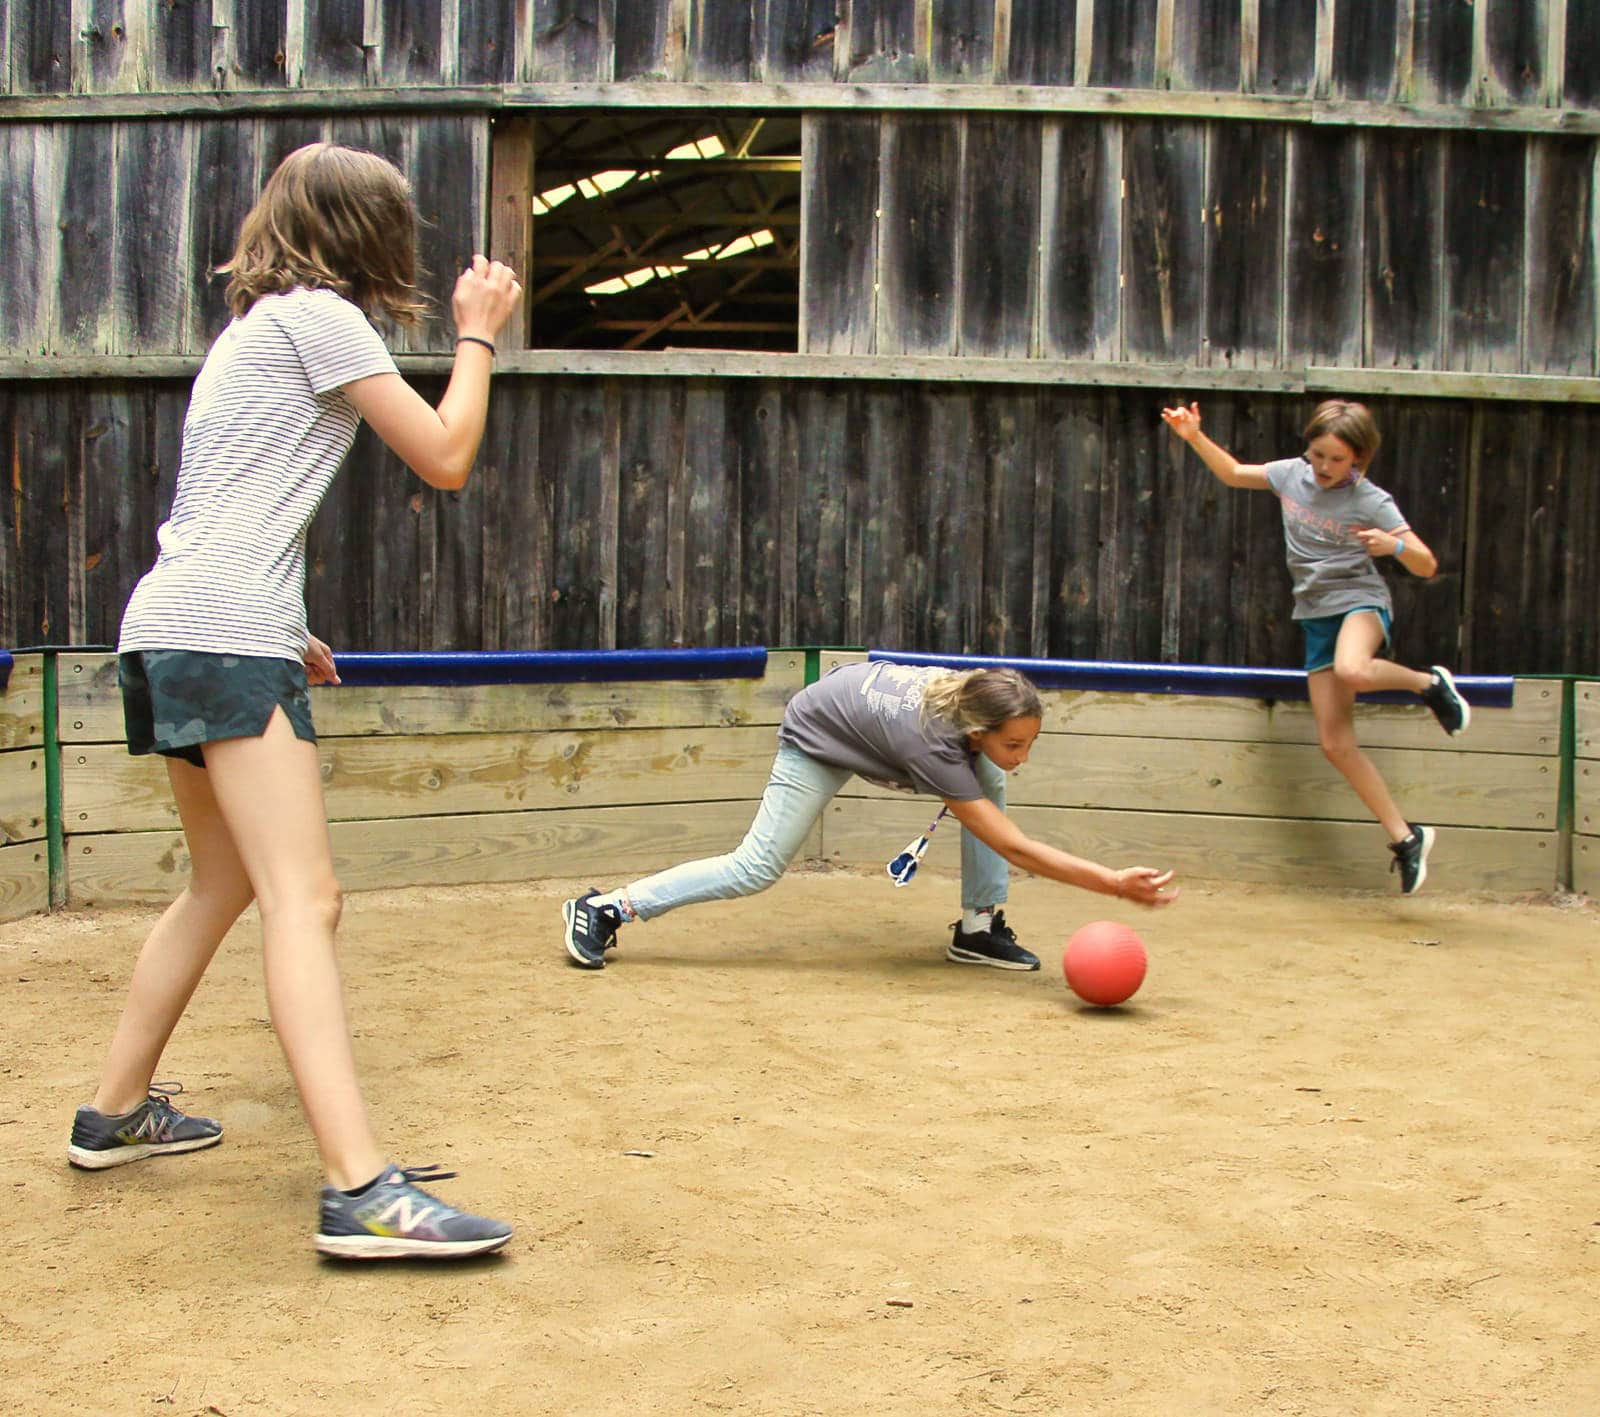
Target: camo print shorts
(174, 700)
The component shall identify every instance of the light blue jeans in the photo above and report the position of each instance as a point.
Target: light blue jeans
(798, 792)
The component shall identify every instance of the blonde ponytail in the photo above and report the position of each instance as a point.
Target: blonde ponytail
(980, 700)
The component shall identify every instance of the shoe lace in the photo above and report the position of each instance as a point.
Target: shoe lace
(999, 930)
(160, 1095)
(426, 1175)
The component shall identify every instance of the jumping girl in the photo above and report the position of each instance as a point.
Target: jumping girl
(1334, 523)
(215, 658)
(948, 734)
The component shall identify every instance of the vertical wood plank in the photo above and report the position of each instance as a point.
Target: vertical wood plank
(569, 41)
(822, 420)
(1363, 58)
(1561, 255)
(962, 41)
(1008, 429)
(1132, 536)
(1326, 177)
(1441, 50)
(1083, 212)
(412, 44)
(1485, 201)
(151, 271)
(710, 563)
(950, 529)
(1514, 51)
(1206, 39)
(649, 586)
(891, 580)
(1286, 47)
(511, 212)
(572, 452)
(763, 476)
(918, 235)
(650, 39)
(1403, 245)
(518, 517)
(228, 172)
(1072, 456)
(181, 44)
(28, 188)
(722, 40)
(880, 43)
(1000, 242)
(85, 312)
(1581, 75)
(261, 42)
(486, 44)
(796, 40)
(335, 54)
(1163, 239)
(839, 196)
(41, 44)
(1042, 43)
(1123, 52)
(1244, 245)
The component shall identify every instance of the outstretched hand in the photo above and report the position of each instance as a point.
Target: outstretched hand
(485, 295)
(1185, 422)
(1144, 885)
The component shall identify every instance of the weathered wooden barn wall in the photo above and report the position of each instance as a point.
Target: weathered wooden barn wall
(1001, 518)
(1027, 223)
(1454, 52)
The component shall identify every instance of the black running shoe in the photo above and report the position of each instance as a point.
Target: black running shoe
(1411, 858)
(997, 946)
(591, 930)
(154, 1126)
(1453, 712)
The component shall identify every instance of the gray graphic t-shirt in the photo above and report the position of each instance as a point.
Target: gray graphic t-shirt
(1333, 573)
(867, 718)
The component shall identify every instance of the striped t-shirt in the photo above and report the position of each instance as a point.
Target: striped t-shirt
(266, 430)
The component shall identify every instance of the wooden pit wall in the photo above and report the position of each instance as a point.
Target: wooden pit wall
(1586, 783)
(24, 852)
(1236, 789)
(1039, 522)
(1492, 54)
(446, 786)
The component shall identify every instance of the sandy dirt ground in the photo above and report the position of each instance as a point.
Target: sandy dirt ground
(1340, 1155)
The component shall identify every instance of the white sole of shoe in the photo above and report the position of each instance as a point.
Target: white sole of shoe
(394, 1247)
(569, 912)
(1450, 683)
(86, 1160)
(1428, 835)
(956, 955)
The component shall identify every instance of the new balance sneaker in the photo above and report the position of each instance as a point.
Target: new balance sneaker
(154, 1126)
(394, 1218)
(591, 930)
(997, 946)
(1411, 858)
(1449, 707)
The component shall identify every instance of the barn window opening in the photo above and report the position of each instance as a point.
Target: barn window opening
(664, 230)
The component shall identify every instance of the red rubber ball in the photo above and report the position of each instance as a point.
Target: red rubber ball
(1104, 963)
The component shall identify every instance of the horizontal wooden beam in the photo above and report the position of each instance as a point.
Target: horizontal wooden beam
(1531, 388)
(1023, 98)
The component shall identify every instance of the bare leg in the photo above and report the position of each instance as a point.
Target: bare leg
(269, 793)
(179, 948)
(1333, 699)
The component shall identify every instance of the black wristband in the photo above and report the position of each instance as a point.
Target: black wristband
(474, 339)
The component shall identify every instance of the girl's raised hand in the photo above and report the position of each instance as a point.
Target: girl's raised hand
(1185, 422)
(1143, 885)
(485, 295)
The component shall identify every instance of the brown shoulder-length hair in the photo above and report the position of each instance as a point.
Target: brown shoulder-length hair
(1352, 423)
(332, 218)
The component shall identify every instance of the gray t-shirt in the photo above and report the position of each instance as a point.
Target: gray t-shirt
(868, 719)
(1333, 574)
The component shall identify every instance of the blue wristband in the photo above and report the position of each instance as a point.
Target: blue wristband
(1399, 546)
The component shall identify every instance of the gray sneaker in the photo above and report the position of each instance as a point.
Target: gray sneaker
(154, 1126)
(394, 1218)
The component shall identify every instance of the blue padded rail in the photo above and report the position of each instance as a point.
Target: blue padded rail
(5, 668)
(1111, 677)
(550, 666)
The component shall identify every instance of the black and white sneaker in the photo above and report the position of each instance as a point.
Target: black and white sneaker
(591, 930)
(153, 1127)
(997, 946)
(1453, 712)
(1411, 858)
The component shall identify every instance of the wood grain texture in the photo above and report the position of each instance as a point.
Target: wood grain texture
(24, 880)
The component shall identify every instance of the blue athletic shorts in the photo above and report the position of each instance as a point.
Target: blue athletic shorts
(174, 700)
(1322, 635)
